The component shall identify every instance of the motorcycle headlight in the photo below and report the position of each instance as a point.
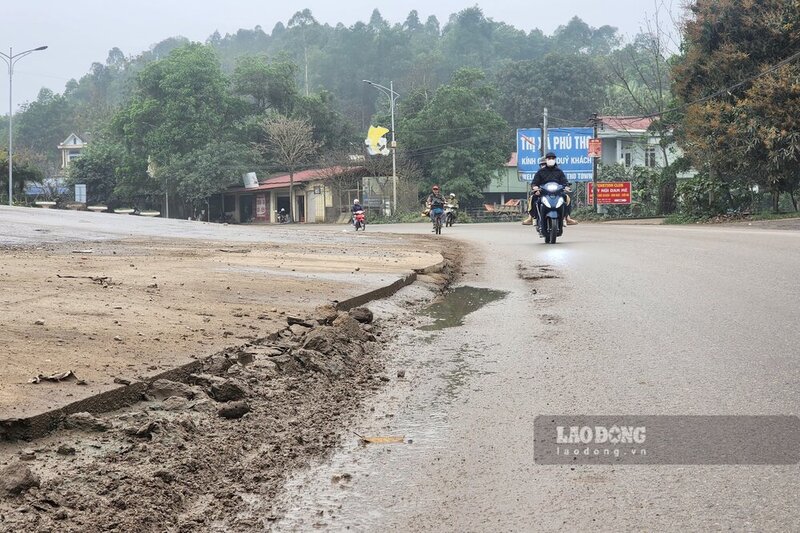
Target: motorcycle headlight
(560, 202)
(551, 187)
(546, 202)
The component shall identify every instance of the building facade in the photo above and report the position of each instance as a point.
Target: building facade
(318, 197)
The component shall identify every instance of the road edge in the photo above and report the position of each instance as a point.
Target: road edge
(42, 424)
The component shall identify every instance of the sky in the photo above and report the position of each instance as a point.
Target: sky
(80, 33)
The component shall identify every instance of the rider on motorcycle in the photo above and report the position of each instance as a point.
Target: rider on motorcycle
(355, 209)
(551, 173)
(434, 201)
(452, 203)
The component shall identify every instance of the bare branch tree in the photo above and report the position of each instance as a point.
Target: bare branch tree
(290, 142)
(642, 71)
(341, 171)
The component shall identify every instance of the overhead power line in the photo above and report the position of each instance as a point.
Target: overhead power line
(725, 90)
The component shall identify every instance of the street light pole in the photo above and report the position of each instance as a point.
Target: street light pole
(11, 59)
(393, 96)
(394, 155)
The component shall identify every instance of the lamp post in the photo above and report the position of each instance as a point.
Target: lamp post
(11, 59)
(393, 96)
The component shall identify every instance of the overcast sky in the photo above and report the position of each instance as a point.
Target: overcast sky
(80, 33)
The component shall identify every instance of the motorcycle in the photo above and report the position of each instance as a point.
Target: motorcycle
(360, 220)
(283, 217)
(552, 206)
(437, 213)
(449, 215)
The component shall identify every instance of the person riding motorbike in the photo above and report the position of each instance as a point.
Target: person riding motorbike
(434, 202)
(355, 209)
(452, 203)
(551, 173)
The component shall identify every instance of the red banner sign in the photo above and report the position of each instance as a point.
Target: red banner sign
(595, 148)
(610, 192)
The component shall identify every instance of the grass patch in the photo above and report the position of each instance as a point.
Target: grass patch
(774, 216)
(398, 218)
(679, 218)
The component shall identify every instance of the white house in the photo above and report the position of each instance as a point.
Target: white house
(71, 149)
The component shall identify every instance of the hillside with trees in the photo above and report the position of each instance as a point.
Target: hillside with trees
(187, 119)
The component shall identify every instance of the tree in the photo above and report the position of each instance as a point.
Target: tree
(209, 170)
(181, 104)
(25, 171)
(303, 21)
(577, 37)
(290, 142)
(269, 84)
(739, 98)
(98, 168)
(457, 138)
(640, 72)
(468, 38)
(330, 129)
(44, 123)
(570, 86)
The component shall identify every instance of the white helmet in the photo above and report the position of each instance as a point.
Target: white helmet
(356, 201)
(452, 195)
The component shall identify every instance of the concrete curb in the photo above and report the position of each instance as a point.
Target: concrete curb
(438, 267)
(40, 425)
(377, 294)
(385, 292)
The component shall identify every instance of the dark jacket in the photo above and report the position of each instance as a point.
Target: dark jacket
(356, 207)
(548, 174)
(435, 200)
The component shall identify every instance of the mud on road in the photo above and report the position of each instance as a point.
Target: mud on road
(210, 454)
(123, 310)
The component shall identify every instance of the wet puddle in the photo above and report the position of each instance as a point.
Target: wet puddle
(457, 304)
(356, 488)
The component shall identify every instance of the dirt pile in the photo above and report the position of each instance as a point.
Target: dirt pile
(201, 455)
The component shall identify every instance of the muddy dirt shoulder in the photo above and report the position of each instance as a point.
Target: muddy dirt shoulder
(127, 310)
(193, 455)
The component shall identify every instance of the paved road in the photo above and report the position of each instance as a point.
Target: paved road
(31, 226)
(640, 320)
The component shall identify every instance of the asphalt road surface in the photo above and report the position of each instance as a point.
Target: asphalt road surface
(614, 319)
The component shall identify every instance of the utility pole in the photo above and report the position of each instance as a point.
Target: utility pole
(594, 165)
(393, 96)
(394, 154)
(544, 132)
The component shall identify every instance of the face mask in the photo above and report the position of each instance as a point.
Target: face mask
(551, 162)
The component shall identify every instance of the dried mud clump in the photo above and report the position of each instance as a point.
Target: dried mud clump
(195, 456)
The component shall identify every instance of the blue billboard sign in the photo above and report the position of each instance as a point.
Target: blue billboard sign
(571, 146)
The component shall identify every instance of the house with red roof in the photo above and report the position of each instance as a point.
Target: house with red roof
(320, 195)
(627, 141)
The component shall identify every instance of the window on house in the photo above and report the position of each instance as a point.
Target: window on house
(627, 156)
(650, 157)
